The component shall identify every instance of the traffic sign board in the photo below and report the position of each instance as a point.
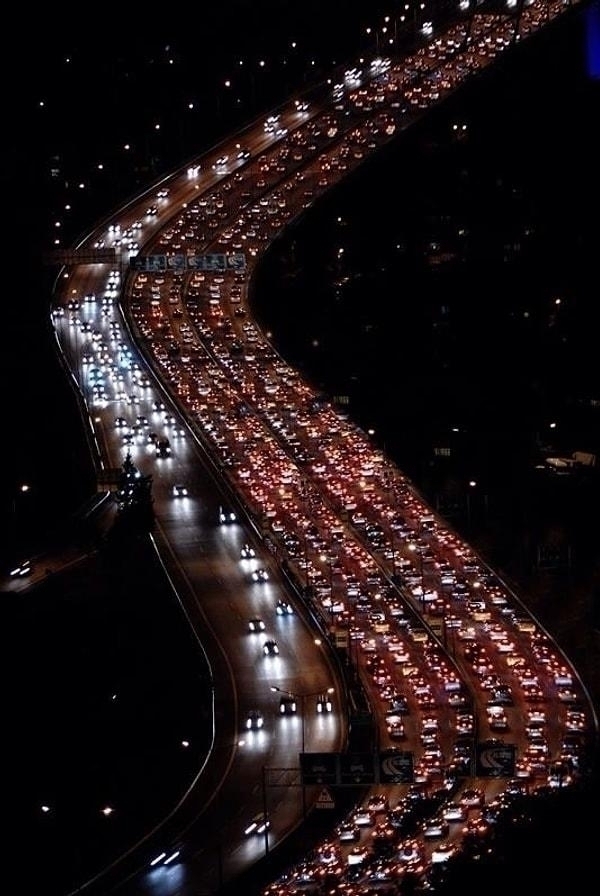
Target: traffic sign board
(495, 760)
(319, 768)
(341, 637)
(358, 768)
(396, 767)
(325, 800)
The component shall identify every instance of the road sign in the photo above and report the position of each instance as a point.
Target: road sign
(325, 800)
(436, 624)
(358, 768)
(216, 262)
(319, 768)
(341, 637)
(495, 760)
(396, 767)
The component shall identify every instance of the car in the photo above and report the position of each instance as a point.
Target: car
(221, 162)
(163, 448)
(363, 818)
(454, 812)
(472, 798)
(258, 825)
(348, 833)
(247, 552)
(324, 704)
(398, 705)
(259, 575)
(287, 705)
(284, 608)
(501, 696)
(576, 720)
(497, 718)
(567, 695)
(395, 726)
(377, 802)
(435, 827)
(443, 852)
(559, 774)
(270, 648)
(410, 854)
(358, 854)
(180, 491)
(256, 624)
(227, 516)
(20, 569)
(255, 720)
(563, 678)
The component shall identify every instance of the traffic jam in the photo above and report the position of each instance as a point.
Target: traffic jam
(458, 674)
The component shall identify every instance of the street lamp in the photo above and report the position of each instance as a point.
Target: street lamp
(326, 558)
(302, 698)
(415, 548)
(22, 490)
(472, 484)
(19, 513)
(388, 485)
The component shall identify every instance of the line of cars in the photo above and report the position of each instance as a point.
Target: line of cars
(316, 574)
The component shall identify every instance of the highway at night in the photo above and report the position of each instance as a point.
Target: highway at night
(318, 580)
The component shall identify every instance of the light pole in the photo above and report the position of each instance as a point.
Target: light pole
(326, 558)
(415, 548)
(307, 575)
(302, 698)
(388, 484)
(22, 490)
(472, 484)
(19, 513)
(265, 809)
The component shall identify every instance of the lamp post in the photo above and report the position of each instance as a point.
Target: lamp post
(22, 490)
(472, 484)
(19, 513)
(415, 548)
(265, 809)
(388, 484)
(302, 698)
(326, 558)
